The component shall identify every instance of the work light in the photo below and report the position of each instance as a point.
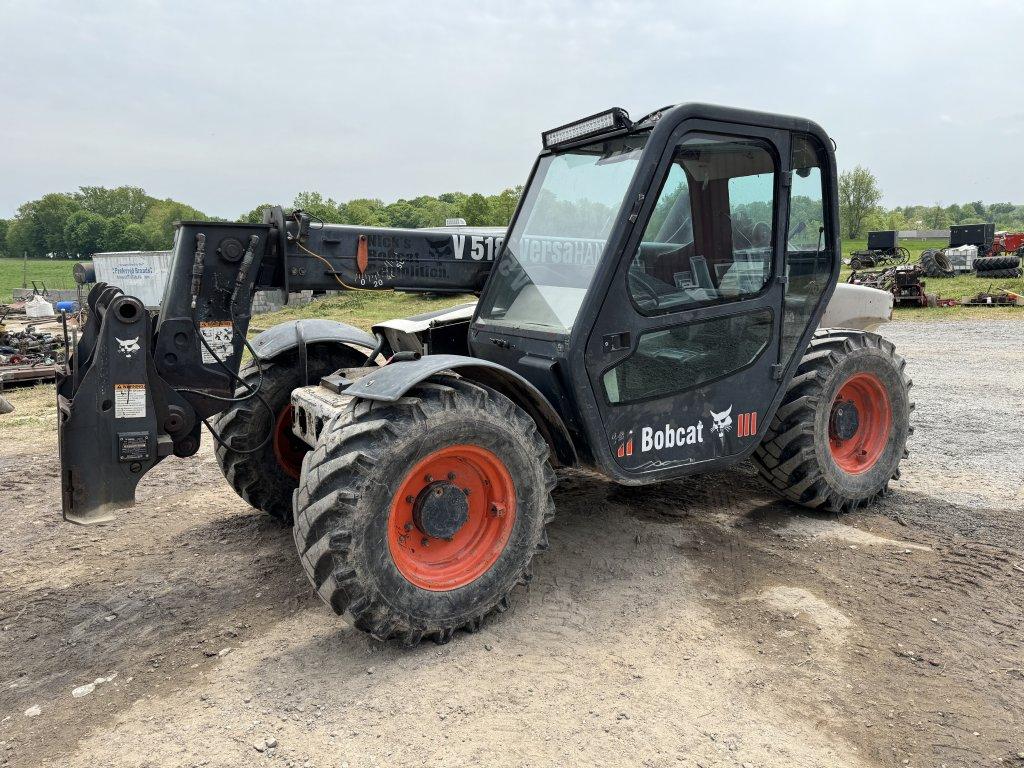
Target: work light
(610, 120)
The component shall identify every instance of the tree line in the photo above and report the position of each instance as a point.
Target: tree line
(93, 219)
(424, 211)
(96, 219)
(860, 213)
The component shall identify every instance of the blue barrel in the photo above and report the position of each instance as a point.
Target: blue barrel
(66, 306)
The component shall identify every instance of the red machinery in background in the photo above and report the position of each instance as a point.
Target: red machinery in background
(1008, 243)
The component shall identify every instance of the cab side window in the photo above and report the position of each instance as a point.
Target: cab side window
(710, 236)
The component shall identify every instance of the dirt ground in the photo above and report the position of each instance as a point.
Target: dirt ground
(695, 623)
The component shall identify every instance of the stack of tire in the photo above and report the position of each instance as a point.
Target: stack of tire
(997, 267)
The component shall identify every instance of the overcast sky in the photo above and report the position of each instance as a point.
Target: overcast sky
(226, 105)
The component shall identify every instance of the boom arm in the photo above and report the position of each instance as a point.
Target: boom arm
(137, 388)
(321, 256)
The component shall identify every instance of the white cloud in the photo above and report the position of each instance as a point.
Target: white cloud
(226, 105)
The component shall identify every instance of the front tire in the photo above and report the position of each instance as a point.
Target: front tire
(267, 477)
(419, 517)
(841, 431)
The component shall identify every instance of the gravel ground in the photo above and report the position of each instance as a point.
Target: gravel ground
(695, 623)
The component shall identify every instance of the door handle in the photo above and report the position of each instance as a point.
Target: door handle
(613, 342)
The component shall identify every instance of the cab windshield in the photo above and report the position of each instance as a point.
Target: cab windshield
(558, 239)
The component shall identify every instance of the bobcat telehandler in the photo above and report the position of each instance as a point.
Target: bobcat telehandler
(664, 302)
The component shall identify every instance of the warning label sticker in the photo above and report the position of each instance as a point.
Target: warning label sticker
(219, 337)
(129, 401)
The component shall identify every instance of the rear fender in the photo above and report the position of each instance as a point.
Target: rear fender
(393, 381)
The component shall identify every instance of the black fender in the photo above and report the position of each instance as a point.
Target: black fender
(296, 334)
(389, 383)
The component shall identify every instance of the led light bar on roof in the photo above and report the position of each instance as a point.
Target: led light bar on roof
(603, 122)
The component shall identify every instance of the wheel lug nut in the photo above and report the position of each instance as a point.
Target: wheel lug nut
(408, 527)
(425, 542)
(409, 499)
(429, 478)
(451, 475)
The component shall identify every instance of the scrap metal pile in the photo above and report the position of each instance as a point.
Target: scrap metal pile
(908, 289)
(30, 347)
(28, 352)
(976, 248)
(1000, 297)
(903, 282)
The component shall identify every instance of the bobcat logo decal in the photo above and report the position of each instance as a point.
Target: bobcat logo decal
(127, 347)
(721, 422)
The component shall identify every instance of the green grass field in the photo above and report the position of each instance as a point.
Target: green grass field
(56, 274)
(363, 309)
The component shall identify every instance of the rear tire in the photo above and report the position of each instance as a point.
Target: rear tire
(818, 453)
(936, 264)
(266, 478)
(361, 529)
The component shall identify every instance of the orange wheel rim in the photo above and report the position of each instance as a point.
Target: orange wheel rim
(451, 517)
(860, 423)
(288, 449)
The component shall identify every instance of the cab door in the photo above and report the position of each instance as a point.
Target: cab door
(683, 358)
